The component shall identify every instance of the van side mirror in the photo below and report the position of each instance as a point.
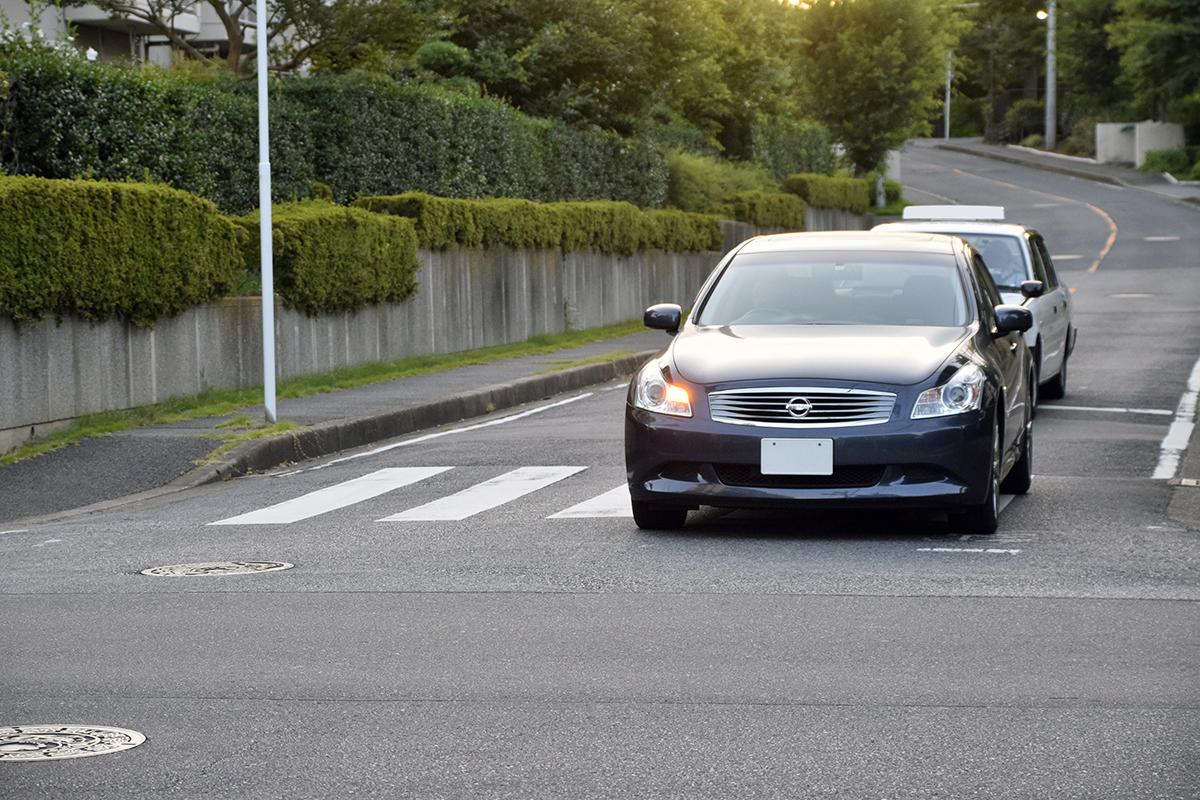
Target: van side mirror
(664, 317)
(1032, 288)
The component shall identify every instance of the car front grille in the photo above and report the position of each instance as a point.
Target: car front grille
(799, 407)
(848, 477)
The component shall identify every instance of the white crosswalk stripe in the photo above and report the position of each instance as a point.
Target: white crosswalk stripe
(613, 503)
(487, 495)
(334, 497)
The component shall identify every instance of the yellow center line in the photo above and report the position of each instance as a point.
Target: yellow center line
(1112, 226)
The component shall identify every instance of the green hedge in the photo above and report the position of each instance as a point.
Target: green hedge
(110, 250)
(823, 191)
(359, 134)
(703, 183)
(329, 258)
(604, 226)
(768, 209)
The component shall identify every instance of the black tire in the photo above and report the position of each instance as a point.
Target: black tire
(650, 517)
(1056, 387)
(983, 518)
(1020, 477)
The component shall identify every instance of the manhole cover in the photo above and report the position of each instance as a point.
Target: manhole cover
(217, 568)
(43, 742)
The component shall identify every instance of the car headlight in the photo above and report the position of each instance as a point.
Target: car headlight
(962, 393)
(653, 393)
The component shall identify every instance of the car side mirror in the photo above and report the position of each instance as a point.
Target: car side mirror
(1032, 288)
(1013, 318)
(664, 317)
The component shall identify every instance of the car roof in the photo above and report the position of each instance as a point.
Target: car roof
(953, 227)
(863, 241)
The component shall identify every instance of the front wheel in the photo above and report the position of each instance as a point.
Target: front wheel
(650, 517)
(984, 517)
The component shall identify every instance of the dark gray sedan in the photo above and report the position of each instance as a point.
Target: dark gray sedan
(835, 370)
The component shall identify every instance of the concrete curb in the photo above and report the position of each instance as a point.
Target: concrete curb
(1027, 162)
(332, 437)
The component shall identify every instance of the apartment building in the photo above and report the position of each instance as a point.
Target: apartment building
(123, 37)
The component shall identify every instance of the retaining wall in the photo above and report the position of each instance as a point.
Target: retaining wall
(53, 371)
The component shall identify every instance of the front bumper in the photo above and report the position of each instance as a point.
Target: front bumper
(932, 463)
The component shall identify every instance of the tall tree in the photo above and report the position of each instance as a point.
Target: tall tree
(872, 69)
(1159, 42)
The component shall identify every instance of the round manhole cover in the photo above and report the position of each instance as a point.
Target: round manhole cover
(44, 742)
(217, 568)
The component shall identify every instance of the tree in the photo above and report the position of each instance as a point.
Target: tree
(336, 34)
(1159, 42)
(871, 72)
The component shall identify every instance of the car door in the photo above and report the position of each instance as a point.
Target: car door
(1057, 317)
(1009, 354)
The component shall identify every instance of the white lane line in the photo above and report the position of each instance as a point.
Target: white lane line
(1176, 441)
(1131, 295)
(487, 495)
(1045, 205)
(48, 541)
(439, 434)
(1156, 412)
(613, 503)
(334, 497)
(1005, 499)
(1065, 257)
(990, 550)
(1160, 238)
(15, 530)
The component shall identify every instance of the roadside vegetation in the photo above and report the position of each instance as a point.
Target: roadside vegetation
(1118, 61)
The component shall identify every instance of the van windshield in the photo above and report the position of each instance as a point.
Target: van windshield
(825, 288)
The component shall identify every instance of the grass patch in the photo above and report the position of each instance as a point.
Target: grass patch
(567, 363)
(237, 422)
(232, 440)
(222, 402)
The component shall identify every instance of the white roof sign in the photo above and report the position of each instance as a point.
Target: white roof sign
(990, 213)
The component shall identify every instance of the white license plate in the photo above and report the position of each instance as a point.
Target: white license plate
(797, 456)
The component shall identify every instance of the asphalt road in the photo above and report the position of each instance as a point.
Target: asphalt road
(517, 654)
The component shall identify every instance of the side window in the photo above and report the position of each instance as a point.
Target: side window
(1039, 262)
(1052, 283)
(989, 295)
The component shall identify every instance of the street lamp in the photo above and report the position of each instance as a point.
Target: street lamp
(1048, 14)
(264, 216)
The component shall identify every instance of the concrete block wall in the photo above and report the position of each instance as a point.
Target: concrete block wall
(53, 371)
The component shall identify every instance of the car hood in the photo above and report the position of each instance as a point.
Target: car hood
(899, 355)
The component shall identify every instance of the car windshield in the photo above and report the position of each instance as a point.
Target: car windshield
(1003, 257)
(820, 288)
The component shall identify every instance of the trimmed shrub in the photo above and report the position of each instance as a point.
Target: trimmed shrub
(785, 146)
(330, 258)
(1023, 118)
(361, 134)
(768, 209)
(703, 184)
(823, 191)
(1177, 162)
(603, 226)
(110, 250)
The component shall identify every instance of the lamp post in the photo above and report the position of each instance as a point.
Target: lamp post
(264, 218)
(1051, 78)
(946, 104)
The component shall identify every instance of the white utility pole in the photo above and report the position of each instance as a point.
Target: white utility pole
(1051, 80)
(946, 104)
(264, 215)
